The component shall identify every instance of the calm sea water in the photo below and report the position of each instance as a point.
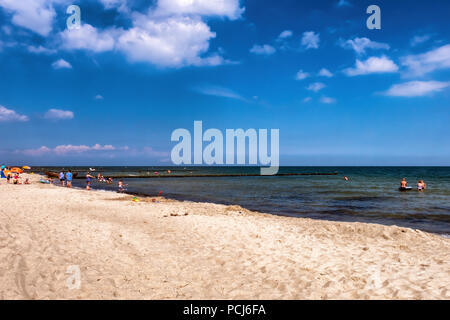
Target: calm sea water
(371, 195)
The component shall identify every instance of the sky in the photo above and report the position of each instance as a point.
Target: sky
(112, 91)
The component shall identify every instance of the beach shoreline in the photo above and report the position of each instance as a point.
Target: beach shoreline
(169, 249)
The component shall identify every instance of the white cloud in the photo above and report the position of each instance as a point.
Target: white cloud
(57, 114)
(263, 49)
(222, 8)
(316, 86)
(34, 15)
(61, 64)
(40, 49)
(416, 88)
(359, 45)
(325, 73)
(89, 38)
(218, 92)
(7, 115)
(172, 34)
(65, 149)
(327, 100)
(285, 34)
(372, 65)
(121, 5)
(307, 99)
(301, 75)
(172, 42)
(310, 40)
(430, 61)
(416, 40)
(98, 97)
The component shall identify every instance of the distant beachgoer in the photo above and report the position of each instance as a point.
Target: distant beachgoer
(8, 177)
(62, 179)
(69, 179)
(121, 186)
(403, 184)
(27, 181)
(109, 181)
(421, 186)
(345, 178)
(88, 180)
(16, 179)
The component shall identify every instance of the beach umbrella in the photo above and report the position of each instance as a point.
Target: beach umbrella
(26, 168)
(16, 170)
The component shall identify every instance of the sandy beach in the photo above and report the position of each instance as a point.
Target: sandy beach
(183, 250)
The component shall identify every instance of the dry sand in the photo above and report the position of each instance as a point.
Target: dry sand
(186, 250)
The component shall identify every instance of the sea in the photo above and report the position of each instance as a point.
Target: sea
(371, 194)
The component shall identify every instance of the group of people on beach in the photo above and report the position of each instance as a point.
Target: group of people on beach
(12, 177)
(421, 185)
(66, 180)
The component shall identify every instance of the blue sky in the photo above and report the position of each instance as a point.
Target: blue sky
(112, 92)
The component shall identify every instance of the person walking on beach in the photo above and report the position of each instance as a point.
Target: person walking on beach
(69, 179)
(62, 179)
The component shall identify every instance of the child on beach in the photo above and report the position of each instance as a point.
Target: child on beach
(121, 186)
(16, 179)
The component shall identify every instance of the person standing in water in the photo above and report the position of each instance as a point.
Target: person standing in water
(403, 184)
(88, 180)
(421, 186)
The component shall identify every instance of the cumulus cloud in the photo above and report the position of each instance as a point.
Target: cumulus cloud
(263, 49)
(416, 88)
(61, 64)
(372, 65)
(301, 75)
(222, 8)
(316, 86)
(325, 73)
(218, 91)
(172, 42)
(7, 115)
(173, 33)
(285, 34)
(57, 114)
(34, 15)
(359, 45)
(327, 100)
(310, 40)
(430, 61)
(88, 38)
